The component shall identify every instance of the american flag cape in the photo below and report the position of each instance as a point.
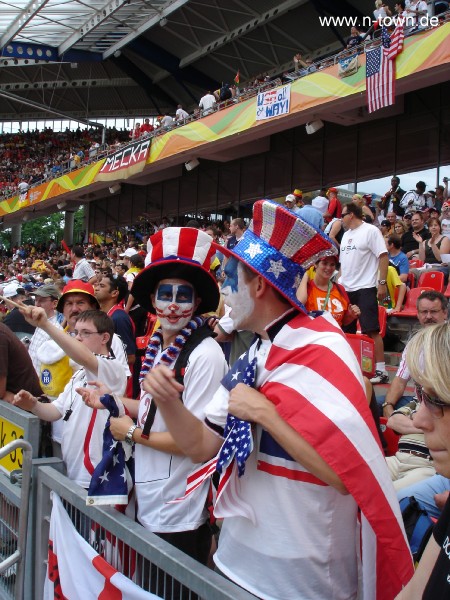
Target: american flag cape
(313, 378)
(334, 418)
(112, 479)
(76, 572)
(380, 69)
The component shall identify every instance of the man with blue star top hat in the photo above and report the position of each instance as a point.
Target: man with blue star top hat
(309, 508)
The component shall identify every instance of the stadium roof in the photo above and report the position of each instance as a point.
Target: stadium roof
(93, 58)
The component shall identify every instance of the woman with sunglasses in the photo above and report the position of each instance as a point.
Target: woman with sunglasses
(427, 360)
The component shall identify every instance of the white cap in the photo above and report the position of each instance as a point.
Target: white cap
(12, 289)
(291, 198)
(129, 252)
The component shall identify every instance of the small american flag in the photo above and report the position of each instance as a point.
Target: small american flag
(238, 434)
(380, 69)
(238, 445)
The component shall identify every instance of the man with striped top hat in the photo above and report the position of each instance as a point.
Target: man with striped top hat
(300, 417)
(178, 286)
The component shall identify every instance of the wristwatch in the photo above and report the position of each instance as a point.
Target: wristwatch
(386, 404)
(129, 435)
(382, 281)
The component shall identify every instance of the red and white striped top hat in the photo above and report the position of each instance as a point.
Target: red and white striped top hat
(179, 253)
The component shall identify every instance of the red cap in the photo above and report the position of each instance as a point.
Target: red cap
(76, 286)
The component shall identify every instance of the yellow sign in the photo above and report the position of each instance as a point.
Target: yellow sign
(8, 433)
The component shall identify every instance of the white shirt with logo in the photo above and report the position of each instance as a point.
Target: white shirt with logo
(361, 249)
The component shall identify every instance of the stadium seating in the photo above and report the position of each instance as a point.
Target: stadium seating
(415, 263)
(410, 310)
(390, 436)
(432, 279)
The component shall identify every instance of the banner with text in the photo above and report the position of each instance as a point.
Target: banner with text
(125, 162)
(273, 103)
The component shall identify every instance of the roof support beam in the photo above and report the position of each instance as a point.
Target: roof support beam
(69, 85)
(94, 21)
(168, 10)
(30, 11)
(243, 29)
(46, 108)
(170, 63)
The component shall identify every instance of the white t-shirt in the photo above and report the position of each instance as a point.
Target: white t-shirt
(160, 476)
(360, 252)
(82, 433)
(83, 270)
(290, 551)
(181, 114)
(445, 224)
(207, 103)
(321, 203)
(167, 121)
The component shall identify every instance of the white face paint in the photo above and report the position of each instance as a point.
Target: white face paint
(174, 304)
(236, 293)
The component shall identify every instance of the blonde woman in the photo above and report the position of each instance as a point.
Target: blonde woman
(367, 213)
(400, 228)
(428, 359)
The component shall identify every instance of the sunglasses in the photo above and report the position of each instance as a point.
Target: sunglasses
(433, 404)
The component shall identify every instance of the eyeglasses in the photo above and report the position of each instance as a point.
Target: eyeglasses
(83, 334)
(433, 404)
(345, 214)
(430, 312)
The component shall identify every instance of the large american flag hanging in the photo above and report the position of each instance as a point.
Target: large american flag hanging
(380, 69)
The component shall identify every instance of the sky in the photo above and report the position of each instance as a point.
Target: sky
(407, 181)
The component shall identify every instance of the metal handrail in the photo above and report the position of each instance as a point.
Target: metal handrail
(18, 557)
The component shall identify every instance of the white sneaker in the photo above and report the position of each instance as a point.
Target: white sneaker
(380, 377)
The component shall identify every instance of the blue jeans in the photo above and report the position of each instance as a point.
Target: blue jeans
(424, 492)
(400, 402)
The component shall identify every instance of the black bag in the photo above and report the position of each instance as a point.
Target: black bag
(418, 526)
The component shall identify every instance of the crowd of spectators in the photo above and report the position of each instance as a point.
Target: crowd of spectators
(28, 158)
(372, 256)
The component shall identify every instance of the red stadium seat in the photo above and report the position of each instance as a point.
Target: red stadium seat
(364, 348)
(447, 291)
(382, 319)
(390, 436)
(411, 281)
(432, 279)
(415, 263)
(410, 310)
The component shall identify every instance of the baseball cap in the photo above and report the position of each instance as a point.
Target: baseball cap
(332, 189)
(48, 290)
(12, 289)
(129, 252)
(76, 286)
(385, 223)
(407, 216)
(290, 198)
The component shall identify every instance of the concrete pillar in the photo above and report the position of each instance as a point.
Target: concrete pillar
(86, 223)
(68, 227)
(16, 235)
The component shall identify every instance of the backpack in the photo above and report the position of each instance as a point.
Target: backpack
(418, 526)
